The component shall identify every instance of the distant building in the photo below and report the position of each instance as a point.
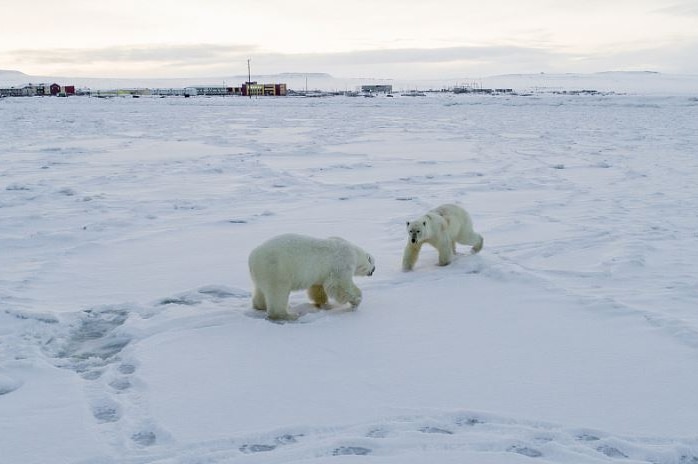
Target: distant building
(38, 90)
(250, 89)
(377, 88)
(246, 89)
(210, 90)
(167, 92)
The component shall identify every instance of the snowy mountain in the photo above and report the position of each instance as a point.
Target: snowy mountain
(5, 73)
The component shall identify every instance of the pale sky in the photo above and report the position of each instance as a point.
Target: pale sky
(402, 39)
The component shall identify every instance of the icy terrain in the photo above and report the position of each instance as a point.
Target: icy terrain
(126, 329)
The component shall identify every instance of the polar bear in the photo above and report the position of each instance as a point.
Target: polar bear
(441, 227)
(324, 267)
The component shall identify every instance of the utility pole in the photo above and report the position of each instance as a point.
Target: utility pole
(249, 79)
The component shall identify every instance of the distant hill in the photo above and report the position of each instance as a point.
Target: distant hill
(9, 74)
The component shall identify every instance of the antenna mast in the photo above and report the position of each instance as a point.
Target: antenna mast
(249, 79)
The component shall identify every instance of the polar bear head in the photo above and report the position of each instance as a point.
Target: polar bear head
(420, 229)
(365, 264)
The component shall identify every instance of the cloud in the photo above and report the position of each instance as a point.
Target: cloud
(199, 59)
(432, 55)
(210, 60)
(164, 54)
(669, 58)
(212, 53)
(680, 9)
(414, 62)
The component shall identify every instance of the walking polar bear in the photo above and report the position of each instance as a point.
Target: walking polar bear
(441, 227)
(325, 267)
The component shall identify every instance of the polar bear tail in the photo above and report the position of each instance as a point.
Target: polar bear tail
(478, 246)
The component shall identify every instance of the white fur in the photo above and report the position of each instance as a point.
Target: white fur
(442, 228)
(324, 267)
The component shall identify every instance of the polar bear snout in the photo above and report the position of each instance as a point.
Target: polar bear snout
(371, 268)
(414, 234)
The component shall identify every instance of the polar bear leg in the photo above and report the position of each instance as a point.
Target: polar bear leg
(445, 249)
(317, 295)
(344, 291)
(478, 245)
(277, 304)
(470, 237)
(410, 255)
(258, 301)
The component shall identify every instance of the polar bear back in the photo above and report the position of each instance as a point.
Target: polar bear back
(457, 219)
(298, 261)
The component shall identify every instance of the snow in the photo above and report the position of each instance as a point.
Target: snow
(126, 328)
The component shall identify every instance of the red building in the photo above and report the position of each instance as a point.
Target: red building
(268, 90)
(61, 91)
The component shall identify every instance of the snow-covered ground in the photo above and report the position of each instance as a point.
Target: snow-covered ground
(127, 334)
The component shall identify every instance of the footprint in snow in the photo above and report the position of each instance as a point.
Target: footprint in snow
(212, 292)
(286, 439)
(127, 369)
(435, 430)
(525, 451)
(377, 433)
(144, 438)
(223, 292)
(257, 448)
(92, 343)
(611, 451)
(351, 451)
(106, 411)
(120, 384)
(587, 437)
(8, 385)
(183, 300)
(468, 421)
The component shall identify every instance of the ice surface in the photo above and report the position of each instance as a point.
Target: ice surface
(127, 333)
